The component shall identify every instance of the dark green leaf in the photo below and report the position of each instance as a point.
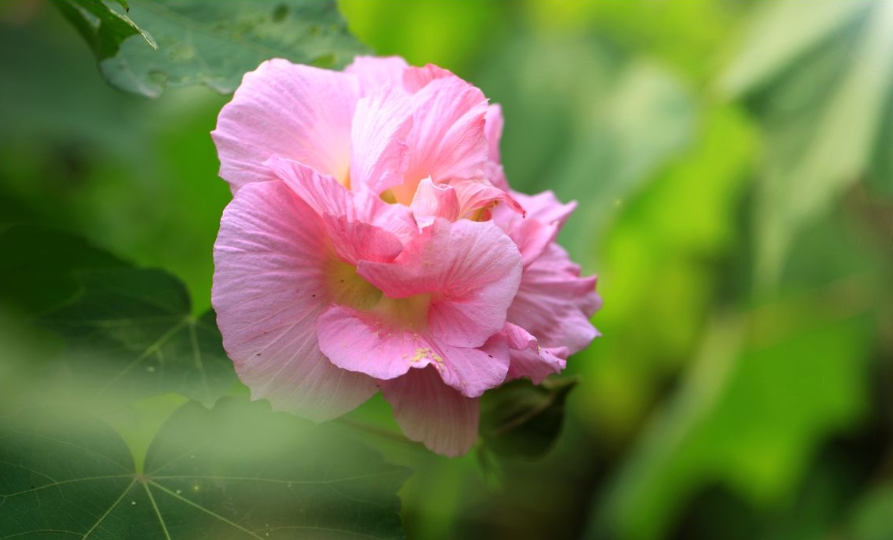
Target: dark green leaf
(102, 27)
(522, 419)
(235, 472)
(215, 43)
(131, 334)
(36, 266)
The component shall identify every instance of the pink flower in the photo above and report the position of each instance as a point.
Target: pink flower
(372, 243)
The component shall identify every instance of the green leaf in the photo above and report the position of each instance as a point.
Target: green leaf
(130, 334)
(36, 266)
(523, 419)
(747, 418)
(237, 471)
(102, 27)
(820, 79)
(215, 43)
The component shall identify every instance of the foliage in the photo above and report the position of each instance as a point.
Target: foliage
(235, 471)
(209, 43)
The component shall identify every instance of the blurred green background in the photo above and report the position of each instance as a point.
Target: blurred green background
(733, 162)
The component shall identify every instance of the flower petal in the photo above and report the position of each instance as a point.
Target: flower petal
(287, 110)
(493, 124)
(554, 303)
(477, 196)
(379, 153)
(432, 413)
(416, 78)
(268, 292)
(370, 342)
(447, 137)
(432, 201)
(375, 72)
(329, 198)
(530, 360)
(472, 269)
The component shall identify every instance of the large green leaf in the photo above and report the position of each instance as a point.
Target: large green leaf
(103, 27)
(215, 43)
(36, 265)
(130, 334)
(237, 471)
(820, 78)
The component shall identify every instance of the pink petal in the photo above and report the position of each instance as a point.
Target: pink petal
(432, 201)
(476, 196)
(471, 268)
(447, 138)
(269, 289)
(496, 175)
(329, 198)
(416, 78)
(530, 360)
(355, 240)
(545, 207)
(493, 124)
(375, 72)
(376, 344)
(292, 111)
(533, 232)
(379, 154)
(367, 342)
(554, 303)
(432, 413)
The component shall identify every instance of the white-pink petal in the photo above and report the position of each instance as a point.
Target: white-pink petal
(379, 153)
(291, 111)
(269, 288)
(375, 72)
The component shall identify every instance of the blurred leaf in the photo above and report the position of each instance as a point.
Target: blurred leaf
(523, 419)
(623, 373)
(820, 77)
(746, 419)
(37, 265)
(215, 43)
(131, 334)
(873, 516)
(103, 27)
(237, 471)
(448, 34)
(645, 119)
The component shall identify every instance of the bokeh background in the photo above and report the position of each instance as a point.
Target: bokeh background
(733, 164)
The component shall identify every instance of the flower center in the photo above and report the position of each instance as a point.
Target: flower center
(350, 289)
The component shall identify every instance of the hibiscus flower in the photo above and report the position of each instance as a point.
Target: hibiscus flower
(373, 244)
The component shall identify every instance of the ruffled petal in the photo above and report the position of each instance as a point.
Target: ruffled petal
(493, 124)
(432, 413)
(471, 269)
(530, 360)
(269, 289)
(416, 78)
(379, 153)
(447, 137)
(433, 201)
(375, 72)
(292, 111)
(554, 303)
(478, 197)
(376, 344)
(361, 226)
